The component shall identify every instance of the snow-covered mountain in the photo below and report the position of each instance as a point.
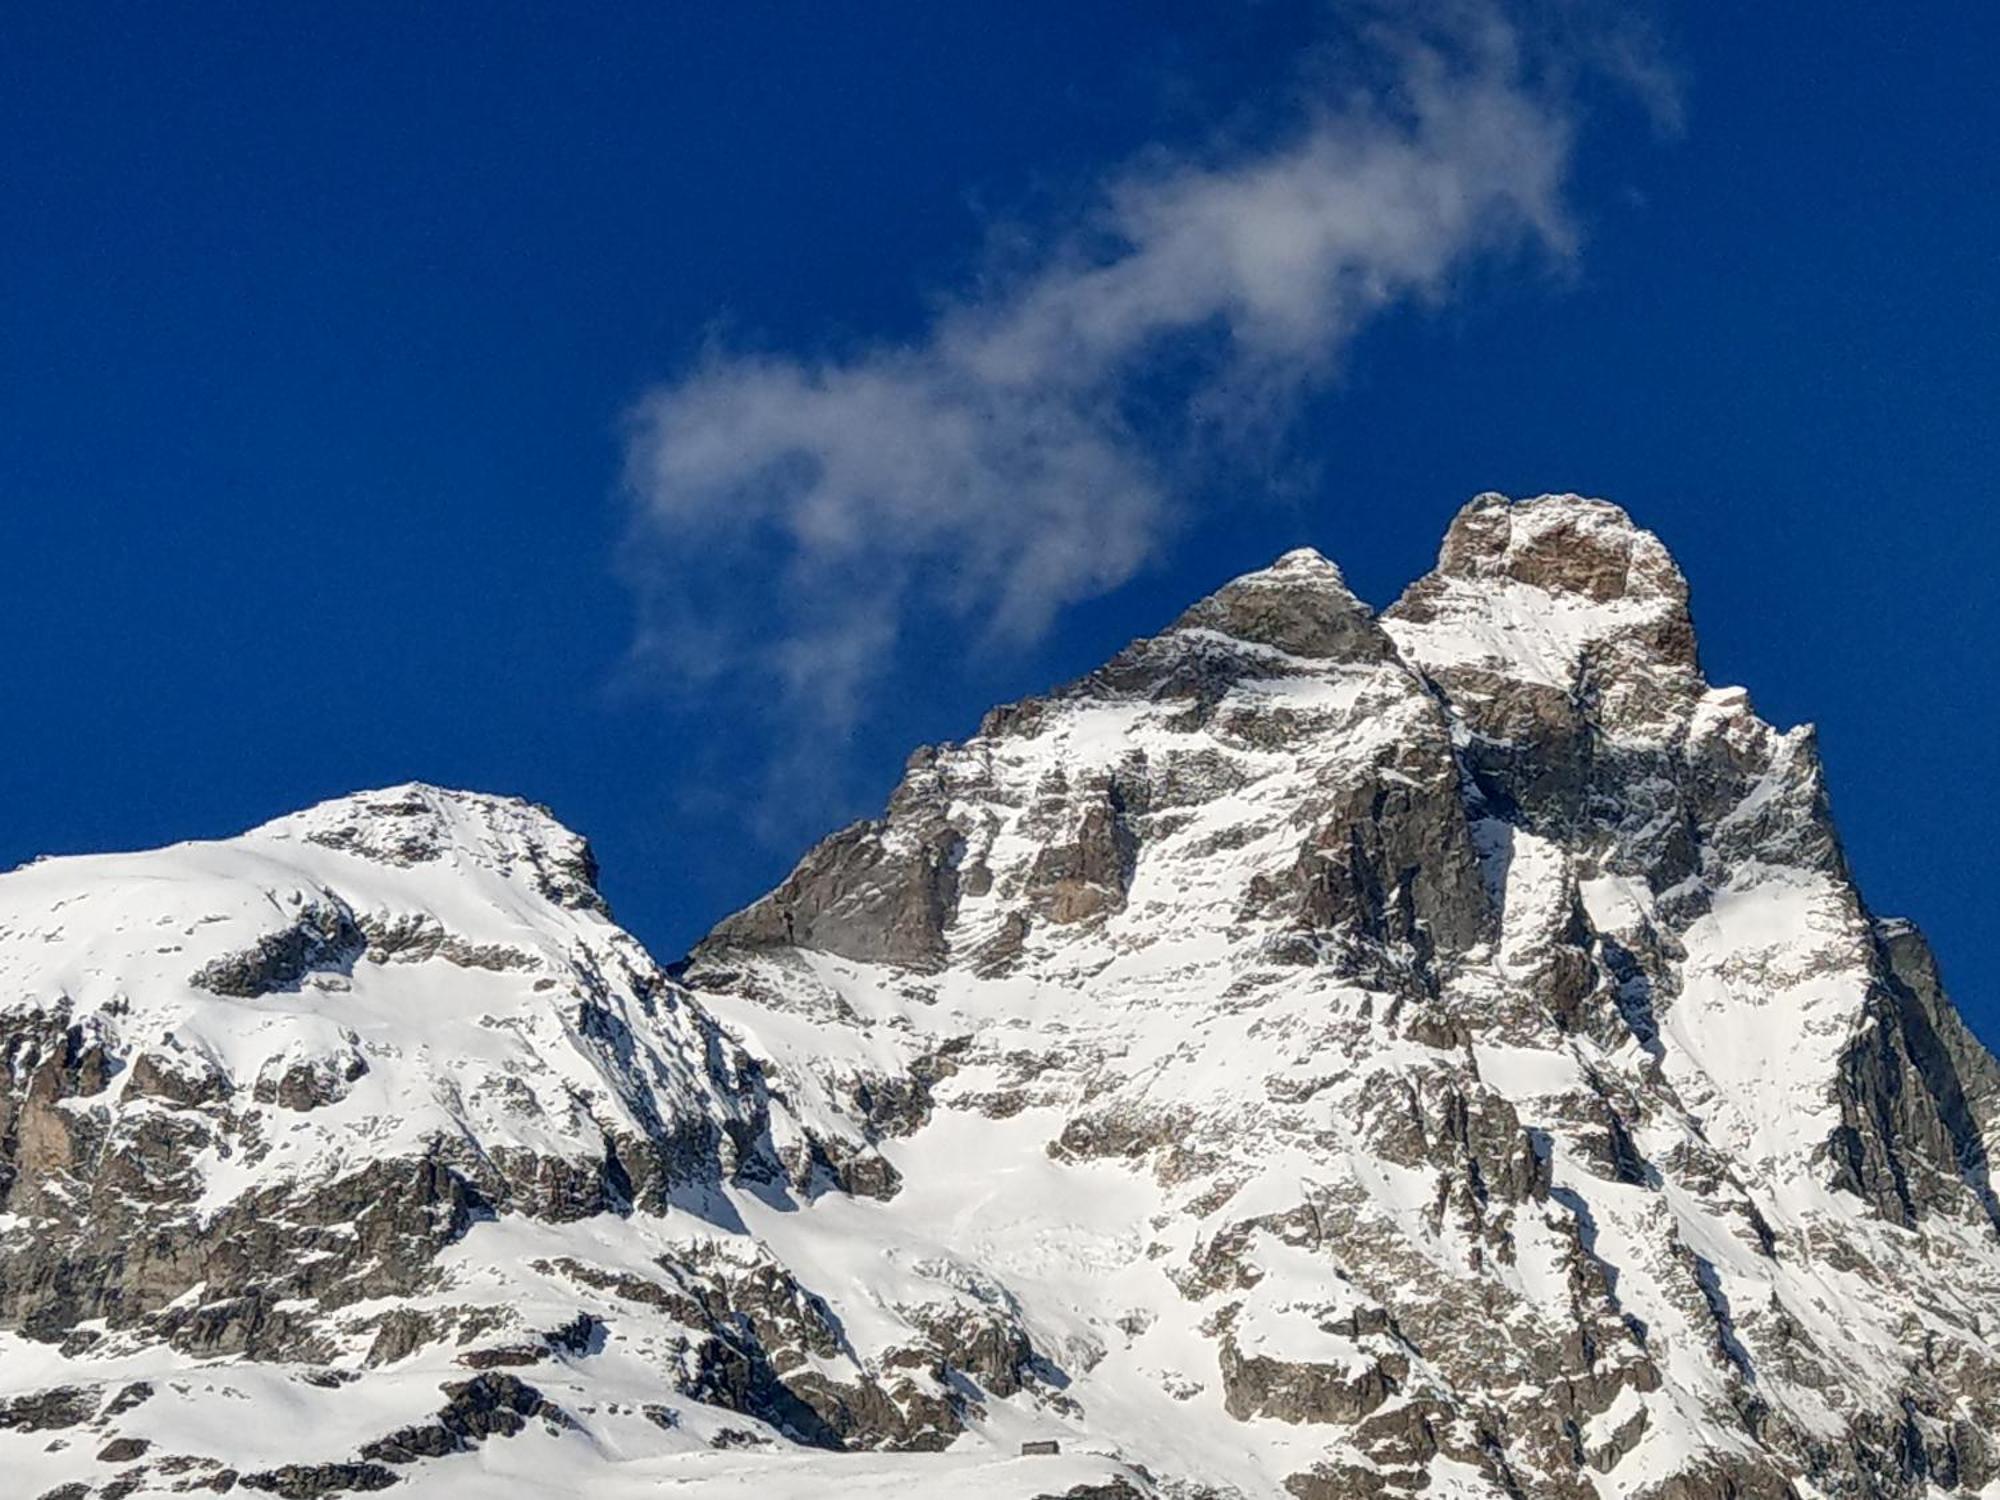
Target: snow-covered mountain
(1319, 1054)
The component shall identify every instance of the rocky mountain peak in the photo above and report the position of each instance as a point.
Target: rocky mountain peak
(1494, 889)
(1564, 544)
(1555, 610)
(1317, 1056)
(1300, 605)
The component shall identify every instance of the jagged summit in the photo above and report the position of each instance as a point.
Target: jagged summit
(1555, 611)
(1561, 543)
(1317, 1056)
(1300, 605)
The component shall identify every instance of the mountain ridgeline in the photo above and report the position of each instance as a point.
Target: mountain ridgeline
(1319, 1054)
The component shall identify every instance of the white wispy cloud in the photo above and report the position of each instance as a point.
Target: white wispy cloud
(999, 466)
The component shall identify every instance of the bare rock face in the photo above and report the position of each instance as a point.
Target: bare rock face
(1318, 1054)
(1300, 605)
(309, 1481)
(869, 893)
(488, 1405)
(1916, 1090)
(1559, 632)
(323, 937)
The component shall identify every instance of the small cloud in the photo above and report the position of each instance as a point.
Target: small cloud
(792, 515)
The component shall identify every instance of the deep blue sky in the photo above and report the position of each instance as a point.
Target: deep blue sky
(317, 324)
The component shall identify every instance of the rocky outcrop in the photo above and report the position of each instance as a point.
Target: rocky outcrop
(864, 894)
(489, 1405)
(1919, 1097)
(323, 937)
(310, 1481)
(65, 1406)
